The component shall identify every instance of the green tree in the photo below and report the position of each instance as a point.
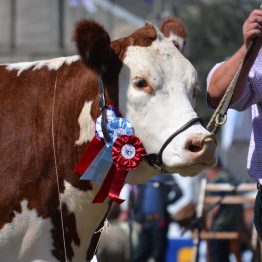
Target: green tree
(214, 33)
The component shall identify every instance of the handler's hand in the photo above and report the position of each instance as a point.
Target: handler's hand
(252, 27)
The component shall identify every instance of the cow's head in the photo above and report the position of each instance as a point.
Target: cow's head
(156, 91)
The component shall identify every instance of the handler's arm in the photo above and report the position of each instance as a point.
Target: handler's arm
(223, 75)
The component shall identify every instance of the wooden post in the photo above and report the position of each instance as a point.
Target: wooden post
(199, 234)
(199, 213)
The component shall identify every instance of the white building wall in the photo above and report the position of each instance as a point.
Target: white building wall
(37, 28)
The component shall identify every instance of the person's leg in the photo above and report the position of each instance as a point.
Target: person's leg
(219, 250)
(260, 250)
(159, 243)
(235, 248)
(142, 250)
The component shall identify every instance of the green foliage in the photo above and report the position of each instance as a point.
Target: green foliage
(214, 33)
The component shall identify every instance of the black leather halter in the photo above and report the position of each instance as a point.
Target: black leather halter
(156, 160)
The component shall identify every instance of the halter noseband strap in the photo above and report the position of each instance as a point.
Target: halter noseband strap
(156, 160)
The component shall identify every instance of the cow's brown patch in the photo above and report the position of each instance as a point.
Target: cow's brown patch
(70, 231)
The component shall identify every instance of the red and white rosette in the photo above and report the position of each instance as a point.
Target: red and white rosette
(127, 152)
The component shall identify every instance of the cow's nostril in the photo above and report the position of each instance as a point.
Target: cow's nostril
(200, 150)
(194, 145)
(194, 148)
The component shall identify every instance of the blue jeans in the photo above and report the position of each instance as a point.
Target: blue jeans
(152, 242)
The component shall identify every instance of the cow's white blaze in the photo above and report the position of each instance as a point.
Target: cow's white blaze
(26, 230)
(86, 124)
(157, 115)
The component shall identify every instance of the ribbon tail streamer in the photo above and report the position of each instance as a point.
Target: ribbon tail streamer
(112, 186)
(117, 185)
(104, 166)
(89, 155)
(99, 167)
(103, 192)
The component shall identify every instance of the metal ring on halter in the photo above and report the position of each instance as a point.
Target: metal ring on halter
(209, 137)
(221, 120)
(102, 100)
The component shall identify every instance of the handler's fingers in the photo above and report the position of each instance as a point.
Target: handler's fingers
(251, 30)
(254, 19)
(252, 34)
(256, 12)
(252, 26)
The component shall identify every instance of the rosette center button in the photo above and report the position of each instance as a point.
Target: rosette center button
(128, 151)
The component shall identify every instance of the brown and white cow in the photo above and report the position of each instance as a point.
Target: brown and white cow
(48, 109)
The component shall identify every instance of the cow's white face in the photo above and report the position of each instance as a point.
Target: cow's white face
(156, 86)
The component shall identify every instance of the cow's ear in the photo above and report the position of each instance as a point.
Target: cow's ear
(93, 44)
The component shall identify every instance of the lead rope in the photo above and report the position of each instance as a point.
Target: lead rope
(105, 227)
(56, 169)
(219, 117)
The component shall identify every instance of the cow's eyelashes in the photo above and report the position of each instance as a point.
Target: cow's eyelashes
(142, 85)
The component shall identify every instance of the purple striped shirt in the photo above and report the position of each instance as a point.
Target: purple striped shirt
(252, 97)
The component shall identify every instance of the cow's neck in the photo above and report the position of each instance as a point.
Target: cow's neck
(87, 110)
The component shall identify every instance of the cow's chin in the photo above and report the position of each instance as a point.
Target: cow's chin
(145, 172)
(189, 169)
(141, 174)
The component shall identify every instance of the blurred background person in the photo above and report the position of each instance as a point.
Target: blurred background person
(151, 212)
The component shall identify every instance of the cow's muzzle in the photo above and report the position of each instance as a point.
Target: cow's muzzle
(156, 161)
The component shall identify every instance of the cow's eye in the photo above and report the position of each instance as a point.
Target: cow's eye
(141, 84)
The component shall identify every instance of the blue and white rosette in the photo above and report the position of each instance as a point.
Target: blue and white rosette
(116, 127)
(111, 115)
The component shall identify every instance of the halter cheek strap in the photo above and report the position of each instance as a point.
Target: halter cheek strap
(102, 105)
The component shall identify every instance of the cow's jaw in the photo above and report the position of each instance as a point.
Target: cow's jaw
(157, 115)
